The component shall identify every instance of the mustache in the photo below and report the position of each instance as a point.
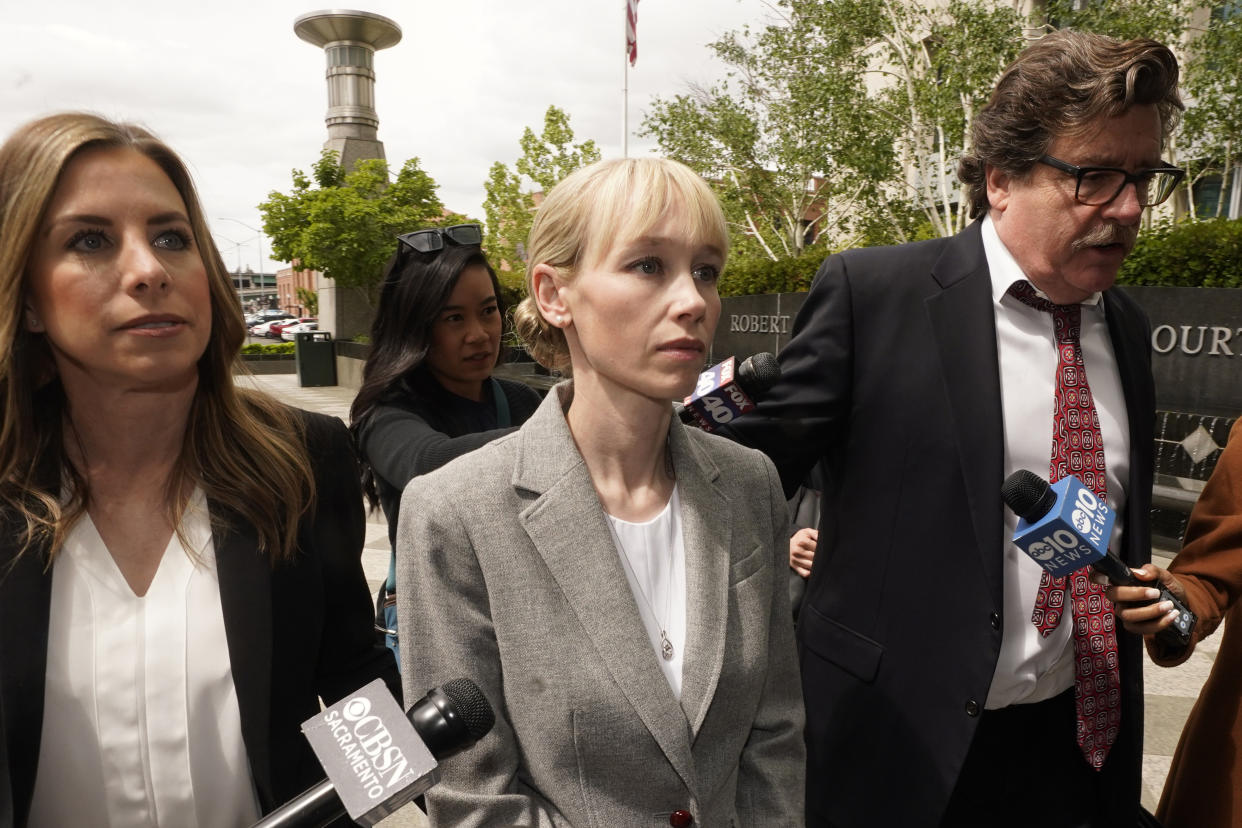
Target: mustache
(1107, 234)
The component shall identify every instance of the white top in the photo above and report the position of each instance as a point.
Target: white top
(653, 556)
(1032, 668)
(141, 725)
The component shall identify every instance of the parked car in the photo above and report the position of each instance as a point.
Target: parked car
(289, 332)
(262, 329)
(274, 329)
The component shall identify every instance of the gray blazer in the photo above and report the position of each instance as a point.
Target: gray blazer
(507, 575)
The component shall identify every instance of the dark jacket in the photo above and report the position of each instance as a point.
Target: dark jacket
(420, 426)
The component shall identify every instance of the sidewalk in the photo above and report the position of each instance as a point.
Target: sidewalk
(1170, 693)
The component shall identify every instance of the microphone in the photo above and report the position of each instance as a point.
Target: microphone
(723, 394)
(378, 758)
(1064, 527)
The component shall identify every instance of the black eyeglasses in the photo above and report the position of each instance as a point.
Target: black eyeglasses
(1097, 186)
(432, 239)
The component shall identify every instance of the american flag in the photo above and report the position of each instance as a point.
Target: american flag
(631, 30)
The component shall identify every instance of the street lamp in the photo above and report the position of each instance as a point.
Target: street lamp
(236, 246)
(254, 230)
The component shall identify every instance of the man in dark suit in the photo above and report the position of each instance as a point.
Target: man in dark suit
(937, 694)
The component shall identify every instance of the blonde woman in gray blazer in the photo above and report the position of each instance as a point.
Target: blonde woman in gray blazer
(613, 580)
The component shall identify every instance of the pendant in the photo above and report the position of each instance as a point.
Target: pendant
(666, 646)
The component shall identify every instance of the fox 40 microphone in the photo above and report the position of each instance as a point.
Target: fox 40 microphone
(1064, 527)
(727, 391)
(378, 758)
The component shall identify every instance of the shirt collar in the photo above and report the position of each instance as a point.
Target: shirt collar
(1004, 269)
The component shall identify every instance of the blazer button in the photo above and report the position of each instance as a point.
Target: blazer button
(972, 707)
(681, 819)
(995, 619)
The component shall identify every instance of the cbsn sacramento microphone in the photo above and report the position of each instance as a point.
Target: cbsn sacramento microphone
(1064, 527)
(378, 758)
(723, 394)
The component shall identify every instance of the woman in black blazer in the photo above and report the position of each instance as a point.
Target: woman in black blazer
(180, 573)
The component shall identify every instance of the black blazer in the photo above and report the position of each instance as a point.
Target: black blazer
(892, 376)
(296, 633)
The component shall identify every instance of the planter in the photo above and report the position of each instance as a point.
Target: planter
(269, 363)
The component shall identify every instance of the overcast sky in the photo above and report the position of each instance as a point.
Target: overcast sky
(242, 99)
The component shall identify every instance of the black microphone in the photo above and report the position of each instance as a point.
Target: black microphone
(378, 758)
(723, 394)
(1065, 527)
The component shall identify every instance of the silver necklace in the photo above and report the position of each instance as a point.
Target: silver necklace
(666, 646)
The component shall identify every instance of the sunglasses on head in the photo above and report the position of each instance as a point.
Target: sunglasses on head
(432, 240)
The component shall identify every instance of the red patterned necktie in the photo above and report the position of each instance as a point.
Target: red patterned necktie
(1078, 449)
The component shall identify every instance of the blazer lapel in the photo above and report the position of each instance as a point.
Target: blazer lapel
(245, 596)
(567, 526)
(1129, 334)
(707, 535)
(964, 326)
(25, 611)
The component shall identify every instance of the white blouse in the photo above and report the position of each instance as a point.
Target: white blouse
(141, 725)
(653, 556)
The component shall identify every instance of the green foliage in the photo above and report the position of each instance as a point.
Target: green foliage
(277, 348)
(546, 159)
(309, 299)
(1190, 254)
(344, 223)
(938, 66)
(759, 274)
(1162, 20)
(841, 119)
(789, 141)
(1213, 80)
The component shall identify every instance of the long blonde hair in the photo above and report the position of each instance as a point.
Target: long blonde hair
(244, 450)
(621, 198)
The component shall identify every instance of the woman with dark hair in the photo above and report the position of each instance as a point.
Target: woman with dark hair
(428, 394)
(180, 559)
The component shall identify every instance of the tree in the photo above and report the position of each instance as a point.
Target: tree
(345, 224)
(1213, 84)
(937, 68)
(309, 299)
(843, 119)
(1162, 20)
(788, 140)
(546, 159)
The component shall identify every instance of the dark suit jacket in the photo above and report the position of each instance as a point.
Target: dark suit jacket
(295, 633)
(892, 376)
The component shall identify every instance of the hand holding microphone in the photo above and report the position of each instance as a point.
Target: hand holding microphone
(1065, 527)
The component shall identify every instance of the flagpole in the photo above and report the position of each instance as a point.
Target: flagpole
(625, 89)
(625, 107)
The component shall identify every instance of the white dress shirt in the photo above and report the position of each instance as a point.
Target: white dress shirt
(141, 725)
(1032, 668)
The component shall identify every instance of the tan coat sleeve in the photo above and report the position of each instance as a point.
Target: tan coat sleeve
(1210, 563)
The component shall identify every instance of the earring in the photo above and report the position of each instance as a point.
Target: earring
(32, 322)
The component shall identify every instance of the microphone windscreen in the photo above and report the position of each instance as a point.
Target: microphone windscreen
(758, 373)
(475, 711)
(1028, 495)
